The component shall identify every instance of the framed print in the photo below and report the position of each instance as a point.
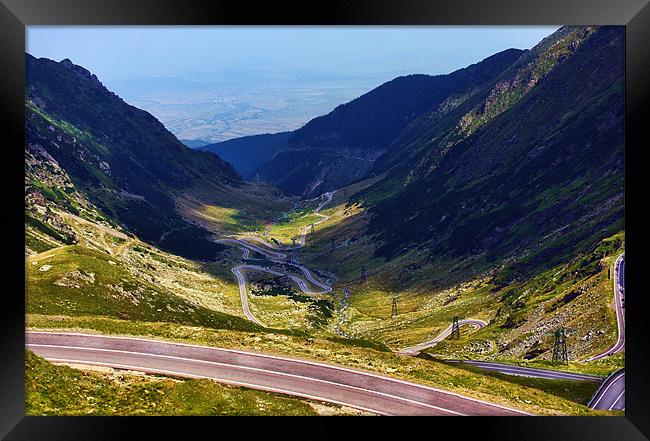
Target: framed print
(367, 209)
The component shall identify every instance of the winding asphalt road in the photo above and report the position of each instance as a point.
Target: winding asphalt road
(243, 295)
(529, 372)
(498, 367)
(611, 394)
(336, 384)
(619, 299)
(415, 350)
(276, 257)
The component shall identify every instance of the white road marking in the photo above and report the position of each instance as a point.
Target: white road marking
(282, 374)
(613, 380)
(234, 383)
(295, 360)
(616, 400)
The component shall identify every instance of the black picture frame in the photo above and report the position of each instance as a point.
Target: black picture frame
(634, 14)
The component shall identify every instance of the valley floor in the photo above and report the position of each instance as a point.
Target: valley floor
(111, 283)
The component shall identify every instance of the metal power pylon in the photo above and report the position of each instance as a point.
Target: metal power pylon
(394, 311)
(560, 354)
(312, 228)
(363, 278)
(455, 329)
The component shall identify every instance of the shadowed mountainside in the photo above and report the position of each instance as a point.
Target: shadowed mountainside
(248, 153)
(537, 164)
(119, 158)
(336, 149)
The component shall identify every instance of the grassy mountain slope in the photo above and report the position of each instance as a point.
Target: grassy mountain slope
(546, 173)
(434, 133)
(55, 390)
(508, 222)
(120, 158)
(500, 199)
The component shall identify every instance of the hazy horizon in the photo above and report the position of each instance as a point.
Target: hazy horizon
(221, 82)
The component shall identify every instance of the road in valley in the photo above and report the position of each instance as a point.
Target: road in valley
(610, 395)
(523, 371)
(415, 350)
(277, 258)
(498, 367)
(241, 244)
(336, 384)
(243, 295)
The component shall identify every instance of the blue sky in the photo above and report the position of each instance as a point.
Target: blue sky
(170, 70)
(123, 52)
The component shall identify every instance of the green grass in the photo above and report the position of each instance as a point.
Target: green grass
(316, 310)
(220, 219)
(576, 291)
(232, 210)
(61, 390)
(284, 230)
(97, 287)
(46, 229)
(190, 307)
(38, 242)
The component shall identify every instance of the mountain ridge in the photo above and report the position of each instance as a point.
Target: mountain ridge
(247, 153)
(336, 149)
(120, 158)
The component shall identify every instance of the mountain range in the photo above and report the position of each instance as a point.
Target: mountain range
(503, 156)
(248, 153)
(505, 176)
(118, 162)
